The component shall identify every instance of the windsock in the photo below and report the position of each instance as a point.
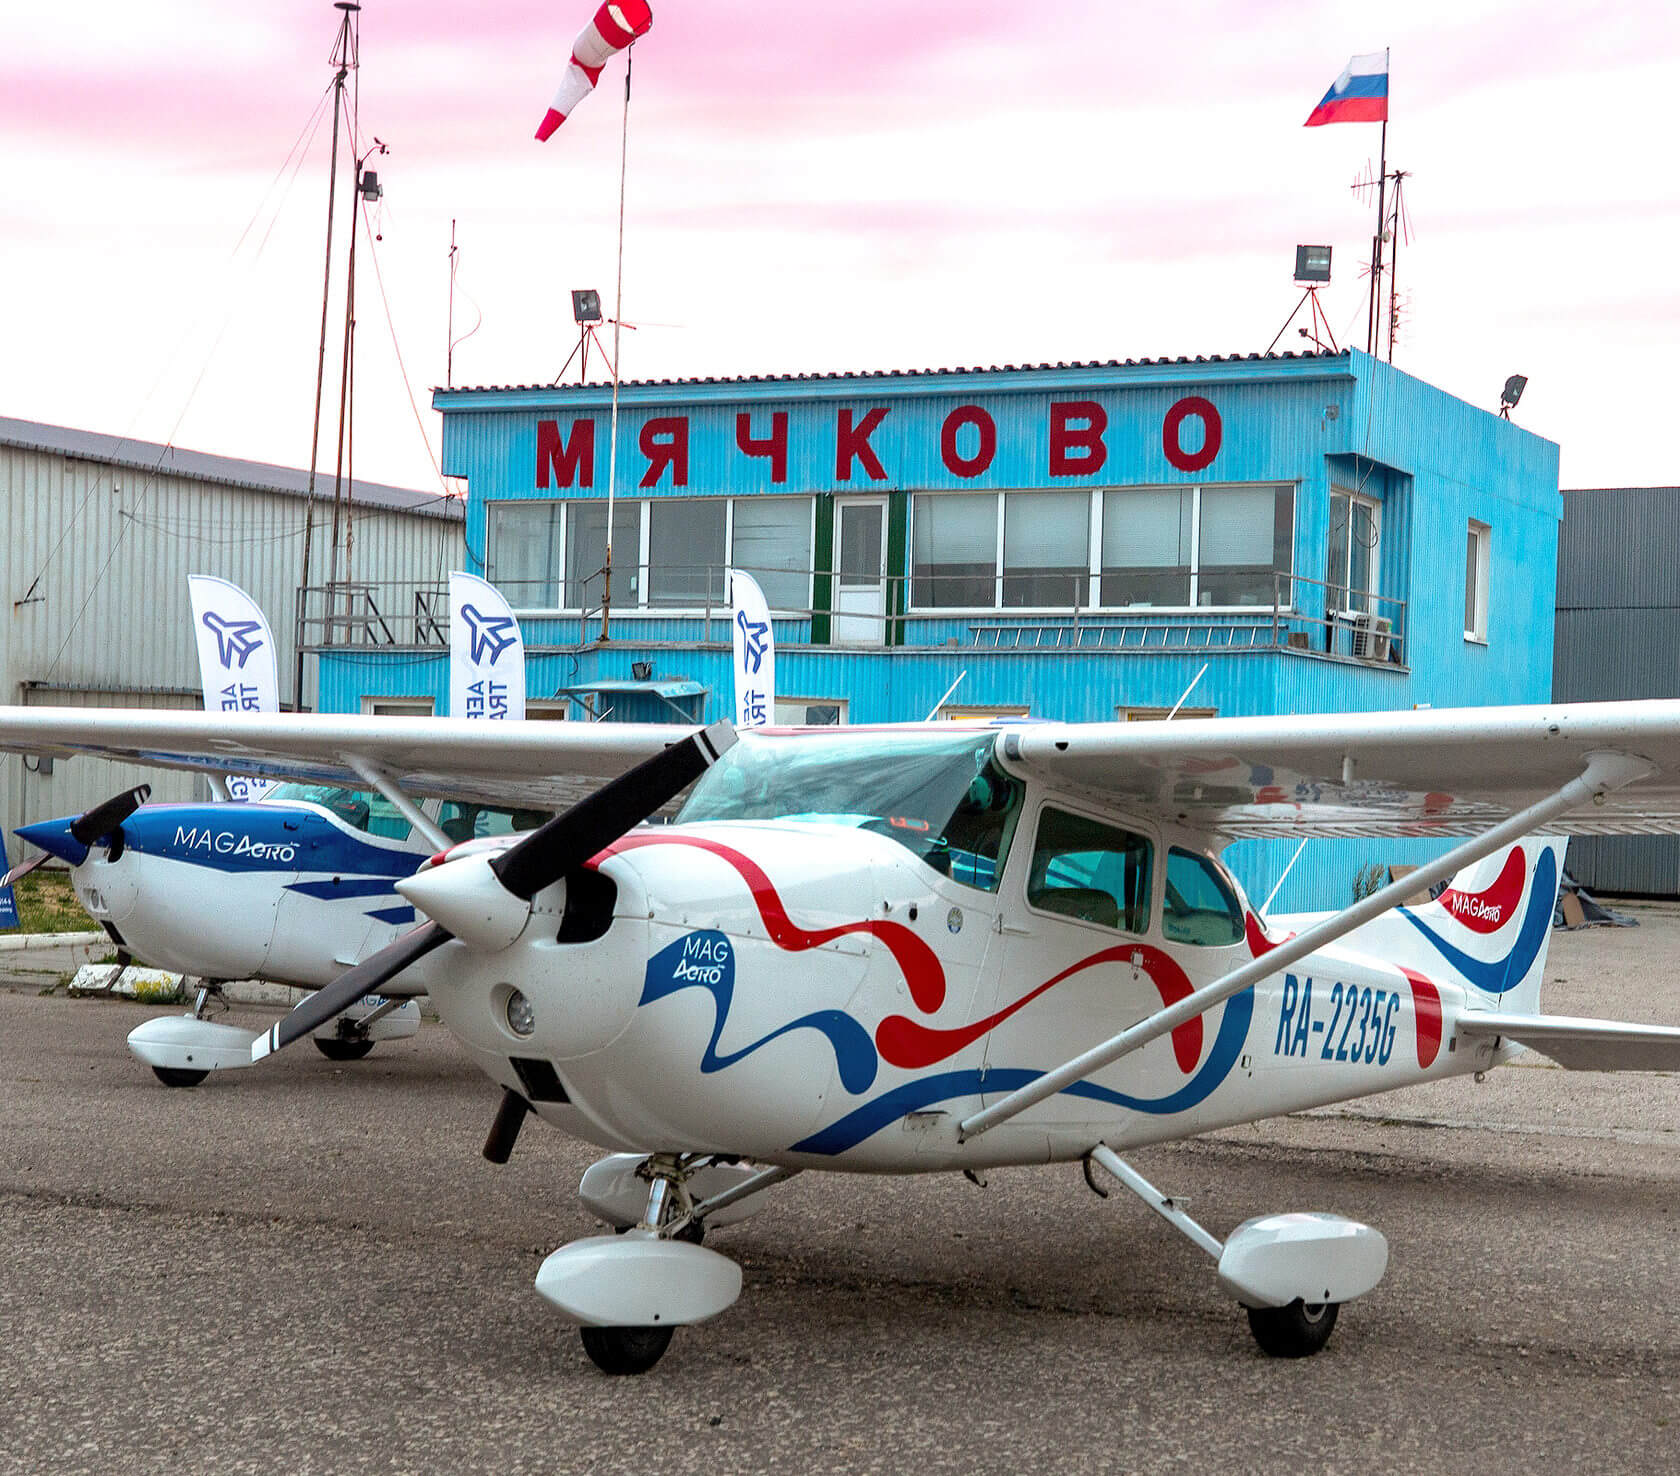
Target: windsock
(616, 25)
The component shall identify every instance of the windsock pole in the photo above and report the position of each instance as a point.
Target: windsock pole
(618, 314)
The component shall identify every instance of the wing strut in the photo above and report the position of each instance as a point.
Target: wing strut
(372, 774)
(1604, 772)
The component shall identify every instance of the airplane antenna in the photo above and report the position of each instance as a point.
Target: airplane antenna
(947, 697)
(1266, 906)
(1187, 691)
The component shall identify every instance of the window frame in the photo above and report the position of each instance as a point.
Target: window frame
(1476, 599)
(1091, 578)
(641, 607)
(1125, 826)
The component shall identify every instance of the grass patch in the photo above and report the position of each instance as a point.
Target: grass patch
(46, 904)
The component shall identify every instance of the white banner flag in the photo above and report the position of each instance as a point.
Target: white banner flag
(236, 664)
(486, 652)
(755, 652)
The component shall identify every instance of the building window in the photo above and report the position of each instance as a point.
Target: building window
(969, 713)
(772, 542)
(1087, 870)
(1355, 531)
(586, 553)
(397, 706)
(954, 551)
(1247, 539)
(810, 712)
(668, 552)
(686, 550)
(1176, 548)
(1478, 546)
(1146, 547)
(1046, 549)
(1161, 714)
(523, 560)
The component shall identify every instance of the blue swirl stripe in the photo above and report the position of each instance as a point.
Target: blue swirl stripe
(1508, 972)
(706, 960)
(867, 1120)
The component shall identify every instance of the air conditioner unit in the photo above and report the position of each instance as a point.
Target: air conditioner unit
(1371, 636)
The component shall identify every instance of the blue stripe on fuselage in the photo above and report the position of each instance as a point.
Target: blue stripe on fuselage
(255, 837)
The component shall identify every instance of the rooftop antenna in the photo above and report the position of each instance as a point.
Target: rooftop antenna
(1391, 223)
(449, 356)
(1312, 271)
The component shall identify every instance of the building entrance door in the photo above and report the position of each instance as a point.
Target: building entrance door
(860, 605)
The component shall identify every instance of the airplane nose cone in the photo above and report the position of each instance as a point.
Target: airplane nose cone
(54, 837)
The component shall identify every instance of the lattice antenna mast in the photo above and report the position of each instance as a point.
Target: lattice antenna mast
(346, 57)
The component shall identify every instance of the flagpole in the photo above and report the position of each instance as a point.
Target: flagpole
(618, 314)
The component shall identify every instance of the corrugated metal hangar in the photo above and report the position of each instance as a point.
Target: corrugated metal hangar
(101, 533)
(1321, 532)
(1618, 636)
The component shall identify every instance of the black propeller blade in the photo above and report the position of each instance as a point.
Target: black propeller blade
(571, 838)
(367, 977)
(102, 819)
(538, 861)
(23, 868)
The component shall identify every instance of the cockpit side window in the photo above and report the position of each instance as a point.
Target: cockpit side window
(360, 809)
(1084, 869)
(1200, 908)
(464, 822)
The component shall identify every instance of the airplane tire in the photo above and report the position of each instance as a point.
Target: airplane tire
(625, 1350)
(1295, 1331)
(342, 1050)
(178, 1076)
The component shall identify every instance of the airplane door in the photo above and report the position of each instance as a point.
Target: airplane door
(1076, 959)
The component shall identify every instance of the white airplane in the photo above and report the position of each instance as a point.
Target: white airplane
(913, 951)
(294, 890)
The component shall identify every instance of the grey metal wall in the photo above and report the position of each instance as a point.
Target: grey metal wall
(95, 559)
(1618, 637)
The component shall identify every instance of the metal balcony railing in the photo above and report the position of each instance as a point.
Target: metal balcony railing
(1307, 615)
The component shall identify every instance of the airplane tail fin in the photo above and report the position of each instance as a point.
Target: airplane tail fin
(1489, 930)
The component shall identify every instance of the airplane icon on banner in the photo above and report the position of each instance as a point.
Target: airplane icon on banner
(492, 633)
(234, 638)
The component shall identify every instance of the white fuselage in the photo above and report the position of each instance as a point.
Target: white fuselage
(815, 995)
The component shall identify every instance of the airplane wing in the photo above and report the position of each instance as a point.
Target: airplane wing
(537, 765)
(1582, 1045)
(1445, 772)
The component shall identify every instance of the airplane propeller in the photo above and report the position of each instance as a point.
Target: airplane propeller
(486, 901)
(73, 842)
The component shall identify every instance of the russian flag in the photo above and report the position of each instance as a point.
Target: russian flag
(1359, 95)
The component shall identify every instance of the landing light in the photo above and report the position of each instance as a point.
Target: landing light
(521, 1018)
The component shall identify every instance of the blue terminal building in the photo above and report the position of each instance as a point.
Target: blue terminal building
(1261, 534)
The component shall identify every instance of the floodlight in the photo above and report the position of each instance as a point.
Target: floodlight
(371, 189)
(1513, 391)
(586, 305)
(1312, 263)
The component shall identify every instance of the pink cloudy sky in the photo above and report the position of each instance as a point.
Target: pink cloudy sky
(826, 187)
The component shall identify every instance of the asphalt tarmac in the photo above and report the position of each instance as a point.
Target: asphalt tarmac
(309, 1268)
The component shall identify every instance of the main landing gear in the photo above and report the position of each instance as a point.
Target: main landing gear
(1291, 1273)
(629, 1291)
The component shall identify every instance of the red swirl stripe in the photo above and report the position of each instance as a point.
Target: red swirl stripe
(919, 964)
(910, 1044)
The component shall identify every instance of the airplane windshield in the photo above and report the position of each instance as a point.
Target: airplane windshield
(944, 799)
